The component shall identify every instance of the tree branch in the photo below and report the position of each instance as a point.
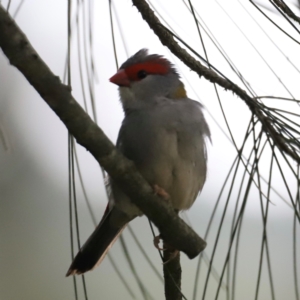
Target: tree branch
(256, 108)
(172, 274)
(287, 10)
(58, 96)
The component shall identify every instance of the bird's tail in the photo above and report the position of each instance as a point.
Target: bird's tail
(94, 250)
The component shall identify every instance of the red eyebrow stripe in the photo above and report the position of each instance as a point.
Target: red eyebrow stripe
(149, 67)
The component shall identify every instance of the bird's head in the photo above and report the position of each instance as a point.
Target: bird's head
(145, 79)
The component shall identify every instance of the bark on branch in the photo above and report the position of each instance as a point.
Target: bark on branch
(172, 274)
(168, 40)
(287, 10)
(58, 96)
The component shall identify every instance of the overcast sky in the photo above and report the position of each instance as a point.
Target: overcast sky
(34, 218)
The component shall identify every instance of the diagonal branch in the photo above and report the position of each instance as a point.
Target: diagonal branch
(287, 10)
(58, 96)
(256, 108)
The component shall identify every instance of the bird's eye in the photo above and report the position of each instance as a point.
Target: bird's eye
(141, 74)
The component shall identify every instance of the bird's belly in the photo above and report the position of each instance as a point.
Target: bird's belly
(176, 165)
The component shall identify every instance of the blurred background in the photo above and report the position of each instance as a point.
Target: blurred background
(242, 193)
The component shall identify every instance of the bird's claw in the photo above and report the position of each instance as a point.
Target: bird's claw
(156, 241)
(173, 255)
(160, 192)
(172, 252)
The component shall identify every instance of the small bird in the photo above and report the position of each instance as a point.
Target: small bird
(164, 133)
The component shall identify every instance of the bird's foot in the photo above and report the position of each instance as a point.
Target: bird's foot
(156, 241)
(173, 253)
(160, 192)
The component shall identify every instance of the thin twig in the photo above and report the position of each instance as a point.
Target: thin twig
(287, 10)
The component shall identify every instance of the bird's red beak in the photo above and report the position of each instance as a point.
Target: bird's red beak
(120, 78)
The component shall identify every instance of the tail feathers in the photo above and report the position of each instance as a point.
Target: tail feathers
(94, 250)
